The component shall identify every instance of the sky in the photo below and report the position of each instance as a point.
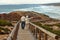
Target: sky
(3, 2)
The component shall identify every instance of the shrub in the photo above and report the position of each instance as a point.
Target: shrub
(48, 28)
(58, 24)
(56, 32)
(4, 23)
(6, 30)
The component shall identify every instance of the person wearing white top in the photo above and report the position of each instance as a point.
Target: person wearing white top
(27, 20)
(23, 18)
(23, 22)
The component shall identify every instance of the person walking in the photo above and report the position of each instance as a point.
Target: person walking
(27, 20)
(23, 22)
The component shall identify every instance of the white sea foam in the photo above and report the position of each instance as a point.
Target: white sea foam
(51, 11)
(4, 12)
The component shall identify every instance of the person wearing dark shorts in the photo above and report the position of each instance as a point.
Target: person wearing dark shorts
(23, 22)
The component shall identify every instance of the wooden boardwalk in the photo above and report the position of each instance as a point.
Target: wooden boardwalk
(24, 34)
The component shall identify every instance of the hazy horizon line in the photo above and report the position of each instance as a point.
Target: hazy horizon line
(28, 3)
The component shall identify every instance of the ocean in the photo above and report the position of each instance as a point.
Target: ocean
(51, 11)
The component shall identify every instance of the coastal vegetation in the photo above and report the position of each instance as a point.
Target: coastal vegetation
(48, 27)
(5, 22)
(3, 28)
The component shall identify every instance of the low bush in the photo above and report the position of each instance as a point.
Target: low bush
(48, 28)
(6, 30)
(4, 23)
(58, 24)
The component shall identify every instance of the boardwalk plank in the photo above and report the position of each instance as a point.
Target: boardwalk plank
(24, 34)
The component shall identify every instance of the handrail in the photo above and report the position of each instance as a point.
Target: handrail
(13, 31)
(45, 31)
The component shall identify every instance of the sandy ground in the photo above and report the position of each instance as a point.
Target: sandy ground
(2, 37)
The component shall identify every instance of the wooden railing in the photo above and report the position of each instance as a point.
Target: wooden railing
(42, 34)
(13, 34)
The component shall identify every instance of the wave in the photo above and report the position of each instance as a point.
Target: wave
(51, 11)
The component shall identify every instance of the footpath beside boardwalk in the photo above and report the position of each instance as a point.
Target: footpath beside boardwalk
(24, 34)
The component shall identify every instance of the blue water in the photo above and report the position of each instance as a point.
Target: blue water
(9, 8)
(52, 11)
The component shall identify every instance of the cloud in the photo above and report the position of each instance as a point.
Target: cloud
(27, 1)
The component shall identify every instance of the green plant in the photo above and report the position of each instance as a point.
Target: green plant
(47, 27)
(6, 30)
(58, 24)
(4, 23)
(56, 32)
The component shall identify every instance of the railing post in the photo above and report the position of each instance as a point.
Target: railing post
(36, 32)
(57, 38)
(39, 35)
(45, 36)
